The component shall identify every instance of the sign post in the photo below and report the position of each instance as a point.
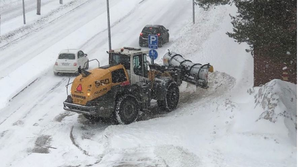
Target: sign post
(153, 54)
(153, 44)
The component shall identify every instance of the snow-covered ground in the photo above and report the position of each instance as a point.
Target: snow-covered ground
(230, 124)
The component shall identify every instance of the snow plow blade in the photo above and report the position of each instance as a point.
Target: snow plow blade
(194, 73)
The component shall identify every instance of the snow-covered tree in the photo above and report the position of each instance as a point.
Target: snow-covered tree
(269, 27)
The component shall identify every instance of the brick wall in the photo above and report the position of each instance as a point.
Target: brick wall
(267, 69)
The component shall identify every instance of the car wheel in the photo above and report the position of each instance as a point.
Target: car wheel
(55, 73)
(171, 99)
(140, 43)
(126, 110)
(160, 43)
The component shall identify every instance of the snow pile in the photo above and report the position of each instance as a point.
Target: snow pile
(278, 99)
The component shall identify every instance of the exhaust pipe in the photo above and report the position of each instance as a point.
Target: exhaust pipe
(194, 73)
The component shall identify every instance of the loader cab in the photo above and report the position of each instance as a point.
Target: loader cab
(134, 60)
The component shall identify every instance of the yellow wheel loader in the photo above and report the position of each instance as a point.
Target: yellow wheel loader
(128, 84)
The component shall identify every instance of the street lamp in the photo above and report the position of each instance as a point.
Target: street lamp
(109, 32)
(193, 4)
(24, 12)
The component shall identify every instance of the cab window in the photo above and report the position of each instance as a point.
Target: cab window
(137, 64)
(118, 76)
(140, 67)
(121, 59)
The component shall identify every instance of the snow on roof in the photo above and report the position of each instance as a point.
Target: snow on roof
(129, 51)
(156, 25)
(74, 51)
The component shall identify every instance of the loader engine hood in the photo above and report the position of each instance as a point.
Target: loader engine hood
(87, 88)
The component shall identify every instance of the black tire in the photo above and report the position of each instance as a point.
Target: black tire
(126, 109)
(141, 43)
(56, 73)
(160, 43)
(171, 99)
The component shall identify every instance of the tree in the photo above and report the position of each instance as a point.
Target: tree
(269, 27)
(263, 24)
(206, 4)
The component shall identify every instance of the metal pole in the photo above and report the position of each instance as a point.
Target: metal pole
(0, 25)
(38, 7)
(193, 11)
(24, 12)
(109, 32)
(61, 1)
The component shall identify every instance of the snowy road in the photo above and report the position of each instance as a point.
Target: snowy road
(36, 131)
(13, 10)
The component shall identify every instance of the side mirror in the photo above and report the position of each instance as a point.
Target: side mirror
(79, 70)
(167, 29)
(85, 54)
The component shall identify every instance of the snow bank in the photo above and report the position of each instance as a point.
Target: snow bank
(278, 100)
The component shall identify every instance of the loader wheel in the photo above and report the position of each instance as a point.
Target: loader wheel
(171, 99)
(126, 109)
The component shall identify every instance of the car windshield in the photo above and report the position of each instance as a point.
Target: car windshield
(67, 56)
(153, 30)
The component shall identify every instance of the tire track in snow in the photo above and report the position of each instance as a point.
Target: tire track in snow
(104, 40)
(75, 144)
(8, 13)
(44, 96)
(46, 36)
(22, 32)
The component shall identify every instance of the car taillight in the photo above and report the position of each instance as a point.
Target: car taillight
(141, 34)
(75, 64)
(158, 34)
(56, 64)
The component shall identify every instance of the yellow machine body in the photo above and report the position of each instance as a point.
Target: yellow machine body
(97, 84)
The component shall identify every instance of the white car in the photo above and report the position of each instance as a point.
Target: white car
(69, 60)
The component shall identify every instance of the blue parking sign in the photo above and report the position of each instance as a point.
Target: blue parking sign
(153, 54)
(153, 41)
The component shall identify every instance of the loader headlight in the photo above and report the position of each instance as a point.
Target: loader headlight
(88, 94)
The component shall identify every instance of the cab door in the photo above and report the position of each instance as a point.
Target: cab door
(139, 69)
